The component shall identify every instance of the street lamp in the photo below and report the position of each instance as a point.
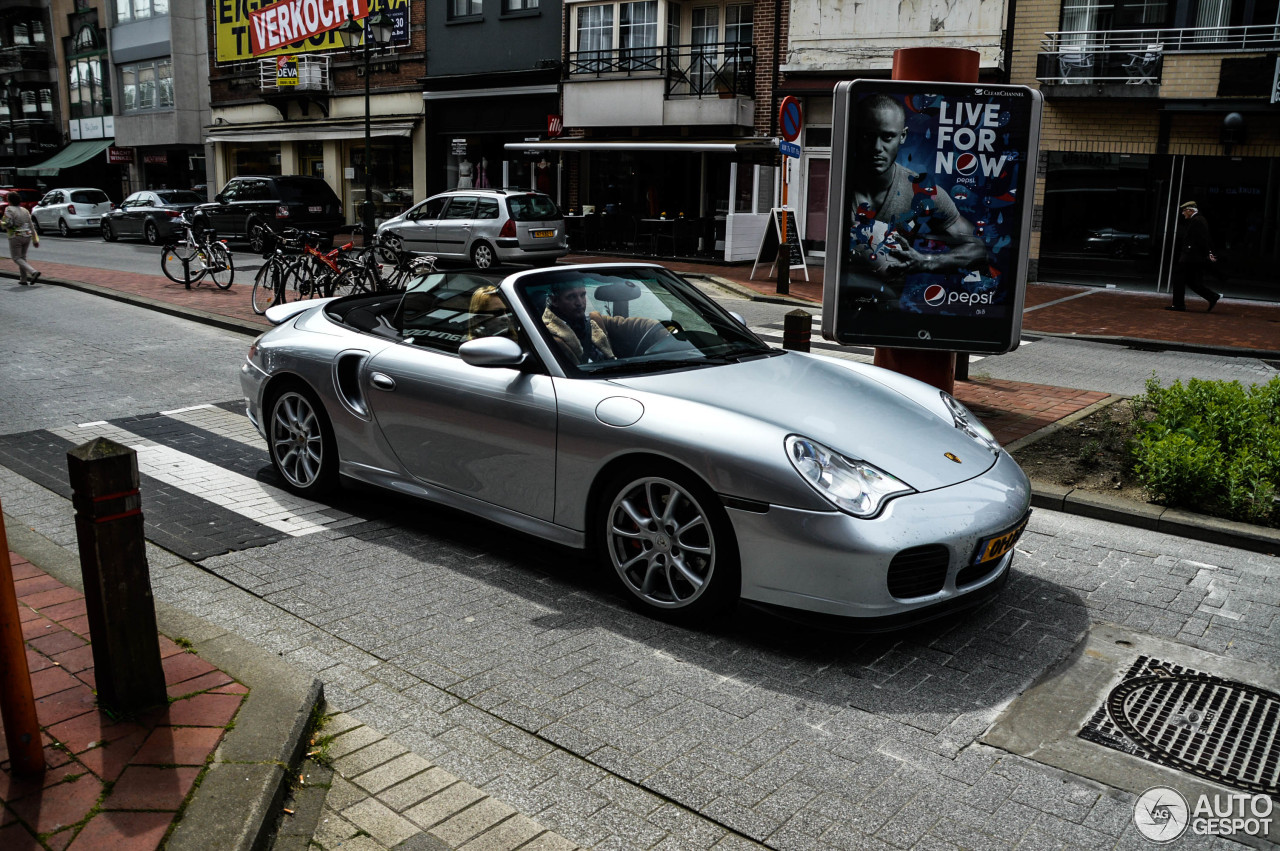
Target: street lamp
(13, 94)
(374, 34)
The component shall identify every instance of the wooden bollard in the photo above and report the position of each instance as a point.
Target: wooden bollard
(117, 582)
(797, 330)
(17, 700)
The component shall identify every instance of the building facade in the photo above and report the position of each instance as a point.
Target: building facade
(301, 108)
(30, 114)
(160, 70)
(1146, 105)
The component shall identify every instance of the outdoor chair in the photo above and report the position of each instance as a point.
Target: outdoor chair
(1074, 62)
(1141, 67)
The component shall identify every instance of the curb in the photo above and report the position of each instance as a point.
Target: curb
(235, 805)
(1164, 345)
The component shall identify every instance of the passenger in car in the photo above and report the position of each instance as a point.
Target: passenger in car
(490, 317)
(584, 338)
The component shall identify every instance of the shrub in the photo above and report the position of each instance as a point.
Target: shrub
(1211, 447)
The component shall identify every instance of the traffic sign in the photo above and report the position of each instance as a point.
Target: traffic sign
(789, 149)
(790, 118)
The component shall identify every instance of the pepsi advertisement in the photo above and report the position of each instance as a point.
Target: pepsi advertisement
(931, 196)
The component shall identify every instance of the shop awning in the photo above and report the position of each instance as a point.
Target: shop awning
(71, 155)
(299, 131)
(711, 146)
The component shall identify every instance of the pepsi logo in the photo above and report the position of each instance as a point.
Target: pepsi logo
(966, 164)
(934, 295)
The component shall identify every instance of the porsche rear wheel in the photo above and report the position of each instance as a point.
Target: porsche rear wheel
(670, 544)
(300, 440)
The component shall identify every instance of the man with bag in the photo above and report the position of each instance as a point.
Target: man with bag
(22, 233)
(1195, 254)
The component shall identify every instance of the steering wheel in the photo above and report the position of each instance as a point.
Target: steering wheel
(676, 329)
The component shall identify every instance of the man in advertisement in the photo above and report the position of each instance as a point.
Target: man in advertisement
(933, 183)
(897, 211)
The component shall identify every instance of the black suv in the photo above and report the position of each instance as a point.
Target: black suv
(278, 201)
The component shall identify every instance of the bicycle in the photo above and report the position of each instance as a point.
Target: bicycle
(389, 263)
(196, 255)
(271, 284)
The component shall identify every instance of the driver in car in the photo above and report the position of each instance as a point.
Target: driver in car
(588, 338)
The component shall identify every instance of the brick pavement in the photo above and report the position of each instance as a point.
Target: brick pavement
(109, 782)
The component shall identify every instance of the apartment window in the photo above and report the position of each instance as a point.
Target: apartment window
(88, 87)
(705, 37)
(27, 33)
(737, 32)
(519, 5)
(147, 85)
(140, 10)
(595, 37)
(466, 8)
(638, 34)
(673, 24)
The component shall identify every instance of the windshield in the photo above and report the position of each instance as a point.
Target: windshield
(179, 197)
(615, 320)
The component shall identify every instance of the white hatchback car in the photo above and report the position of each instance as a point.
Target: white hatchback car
(67, 210)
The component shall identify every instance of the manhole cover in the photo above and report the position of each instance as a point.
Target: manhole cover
(1221, 730)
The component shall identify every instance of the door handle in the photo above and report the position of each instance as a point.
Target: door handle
(382, 381)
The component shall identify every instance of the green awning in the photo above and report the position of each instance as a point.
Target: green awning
(73, 154)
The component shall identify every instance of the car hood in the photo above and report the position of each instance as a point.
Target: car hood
(863, 412)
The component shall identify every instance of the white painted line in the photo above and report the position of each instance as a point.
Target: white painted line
(94, 423)
(184, 410)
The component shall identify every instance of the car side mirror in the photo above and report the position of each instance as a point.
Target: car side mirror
(738, 318)
(220, 198)
(492, 351)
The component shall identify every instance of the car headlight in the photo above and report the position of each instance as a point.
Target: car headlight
(965, 420)
(852, 486)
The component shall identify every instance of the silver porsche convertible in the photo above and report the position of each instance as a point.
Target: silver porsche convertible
(618, 408)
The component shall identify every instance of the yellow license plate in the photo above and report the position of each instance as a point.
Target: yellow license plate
(997, 546)
(543, 234)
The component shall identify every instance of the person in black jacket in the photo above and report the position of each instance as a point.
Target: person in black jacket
(1195, 254)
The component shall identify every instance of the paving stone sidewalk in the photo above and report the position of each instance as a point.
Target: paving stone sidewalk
(109, 782)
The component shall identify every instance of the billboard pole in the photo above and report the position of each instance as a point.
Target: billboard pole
(938, 65)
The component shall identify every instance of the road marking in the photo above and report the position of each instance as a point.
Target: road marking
(254, 500)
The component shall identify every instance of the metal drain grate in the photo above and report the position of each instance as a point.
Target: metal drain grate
(1217, 729)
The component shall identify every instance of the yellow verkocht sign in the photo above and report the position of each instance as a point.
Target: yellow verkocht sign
(233, 20)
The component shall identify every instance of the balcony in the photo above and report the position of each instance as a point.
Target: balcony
(697, 85)
(725, 69)
(24, 57)
(1136, 57)
(313, 76)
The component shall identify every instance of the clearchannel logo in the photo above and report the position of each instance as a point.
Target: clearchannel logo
(936, 295)
(1162, 814)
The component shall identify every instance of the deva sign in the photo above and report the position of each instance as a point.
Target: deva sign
(287, 21)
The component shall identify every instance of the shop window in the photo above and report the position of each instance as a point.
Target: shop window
(390, 178)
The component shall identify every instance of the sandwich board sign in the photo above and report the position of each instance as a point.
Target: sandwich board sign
(772, 238)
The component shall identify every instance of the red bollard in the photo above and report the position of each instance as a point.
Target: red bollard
(17, 701)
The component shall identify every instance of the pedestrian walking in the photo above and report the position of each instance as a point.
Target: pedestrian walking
(22, 233)
(1195, 254)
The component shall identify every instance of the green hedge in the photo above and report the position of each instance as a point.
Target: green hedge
(1211, 447)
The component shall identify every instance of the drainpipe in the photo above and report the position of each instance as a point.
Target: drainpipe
(1008, 42)
(773, 91)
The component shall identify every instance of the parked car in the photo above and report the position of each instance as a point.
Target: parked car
(483, 226)
(701, 465)
(67, 210)
(279, 201)
(1117, 243)
(30, 197)
(152, 215)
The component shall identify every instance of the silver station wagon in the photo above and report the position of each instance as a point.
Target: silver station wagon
(483, 227)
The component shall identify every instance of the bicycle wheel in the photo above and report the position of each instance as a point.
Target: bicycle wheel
(354, 280)
(267, 287)
(221, 269)
(182, 263)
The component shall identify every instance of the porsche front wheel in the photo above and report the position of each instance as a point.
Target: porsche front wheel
(300, 439)
(668, 541)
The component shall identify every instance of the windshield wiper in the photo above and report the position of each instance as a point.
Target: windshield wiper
(625, 367)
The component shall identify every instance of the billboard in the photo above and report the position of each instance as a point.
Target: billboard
(311, 23)
(931, 187)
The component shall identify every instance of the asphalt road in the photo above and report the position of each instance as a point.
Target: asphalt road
(513, 665)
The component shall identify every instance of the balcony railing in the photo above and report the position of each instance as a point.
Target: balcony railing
(24, 57)
(690, 70)
(1137, 56)
(313, 75)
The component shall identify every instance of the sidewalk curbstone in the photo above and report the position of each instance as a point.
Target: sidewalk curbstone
(237, 801)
